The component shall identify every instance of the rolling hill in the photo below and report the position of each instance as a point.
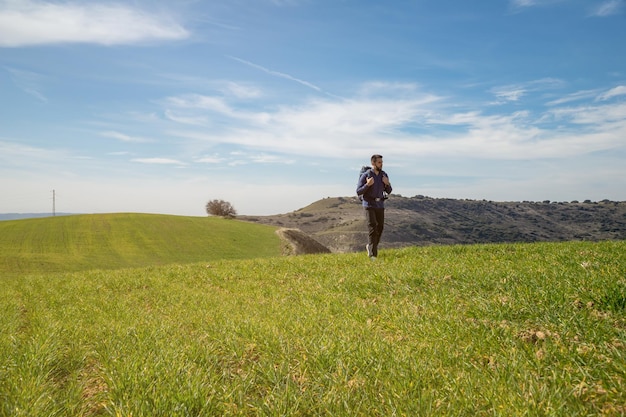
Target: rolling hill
(114, 241)
(338, 222)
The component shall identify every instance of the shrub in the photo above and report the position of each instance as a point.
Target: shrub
(220, 208)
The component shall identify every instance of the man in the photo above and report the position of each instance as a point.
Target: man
(374, 186)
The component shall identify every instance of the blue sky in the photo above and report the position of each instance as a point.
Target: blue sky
(161, 106)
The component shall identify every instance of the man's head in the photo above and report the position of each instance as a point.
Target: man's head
(377, 162)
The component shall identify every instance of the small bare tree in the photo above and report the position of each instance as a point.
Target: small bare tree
(220, 208)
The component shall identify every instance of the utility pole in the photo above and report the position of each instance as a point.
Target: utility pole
(53, 203)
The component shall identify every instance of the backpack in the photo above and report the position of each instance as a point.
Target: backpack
(364, 169)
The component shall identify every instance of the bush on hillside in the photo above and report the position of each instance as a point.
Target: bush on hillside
(220, 208)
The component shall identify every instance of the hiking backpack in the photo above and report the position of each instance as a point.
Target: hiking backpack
(364, 169)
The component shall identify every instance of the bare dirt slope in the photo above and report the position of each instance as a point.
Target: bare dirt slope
(296, 242)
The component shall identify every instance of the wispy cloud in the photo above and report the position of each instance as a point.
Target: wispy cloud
(597, 95)
(35, 22)
(210, 159)
(410, 122)
(277, 74)
(28, 81)
(515, 92)
(199, 101)
(264, 158)
(608, 8)
(509, 92)
(605, 117)
(123, 137)
(576, 96)
(194, 109)
(613, 92)
(240, 91)
(288, 2)
(239, 158)
(158, 161)
(523, 3)
(186, 119)
(603, 9)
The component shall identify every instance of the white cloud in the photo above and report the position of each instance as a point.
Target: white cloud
(614, 92)
(421, 125)
(186, 120)
(523, 3)
(286, 2)
(604, 9)
(213, 159)
(123, 137)
(30, 22)
(197, 101)
(198, 108)
(516, 91)
(158, 161)
(388, 89)
(535, 3)
(271, 159)
(509, 93)
(576, 96)
(318, 127)
(599, 116)
(608, 8)
(241, 91)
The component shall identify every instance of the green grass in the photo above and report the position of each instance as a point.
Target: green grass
(114, 241)
(481, 330)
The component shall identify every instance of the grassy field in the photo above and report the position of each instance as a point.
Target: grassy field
(114, 241)
(481, 330)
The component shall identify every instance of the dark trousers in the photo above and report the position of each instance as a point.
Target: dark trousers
(375, 222)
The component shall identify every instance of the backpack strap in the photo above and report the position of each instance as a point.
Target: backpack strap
(368, 174)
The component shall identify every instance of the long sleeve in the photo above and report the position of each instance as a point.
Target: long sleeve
(361, 185)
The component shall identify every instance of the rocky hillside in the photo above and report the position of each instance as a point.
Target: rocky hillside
(338, 223)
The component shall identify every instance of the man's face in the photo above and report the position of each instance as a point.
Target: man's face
(378, 164)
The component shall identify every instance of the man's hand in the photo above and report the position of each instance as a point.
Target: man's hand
(385, 180)
(370, 181)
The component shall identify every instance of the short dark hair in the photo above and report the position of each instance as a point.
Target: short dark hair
(376, 157)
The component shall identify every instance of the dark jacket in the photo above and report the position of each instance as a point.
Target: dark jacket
(373, 196)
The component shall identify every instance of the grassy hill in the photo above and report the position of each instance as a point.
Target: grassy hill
(113, 241)
(476, 330)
